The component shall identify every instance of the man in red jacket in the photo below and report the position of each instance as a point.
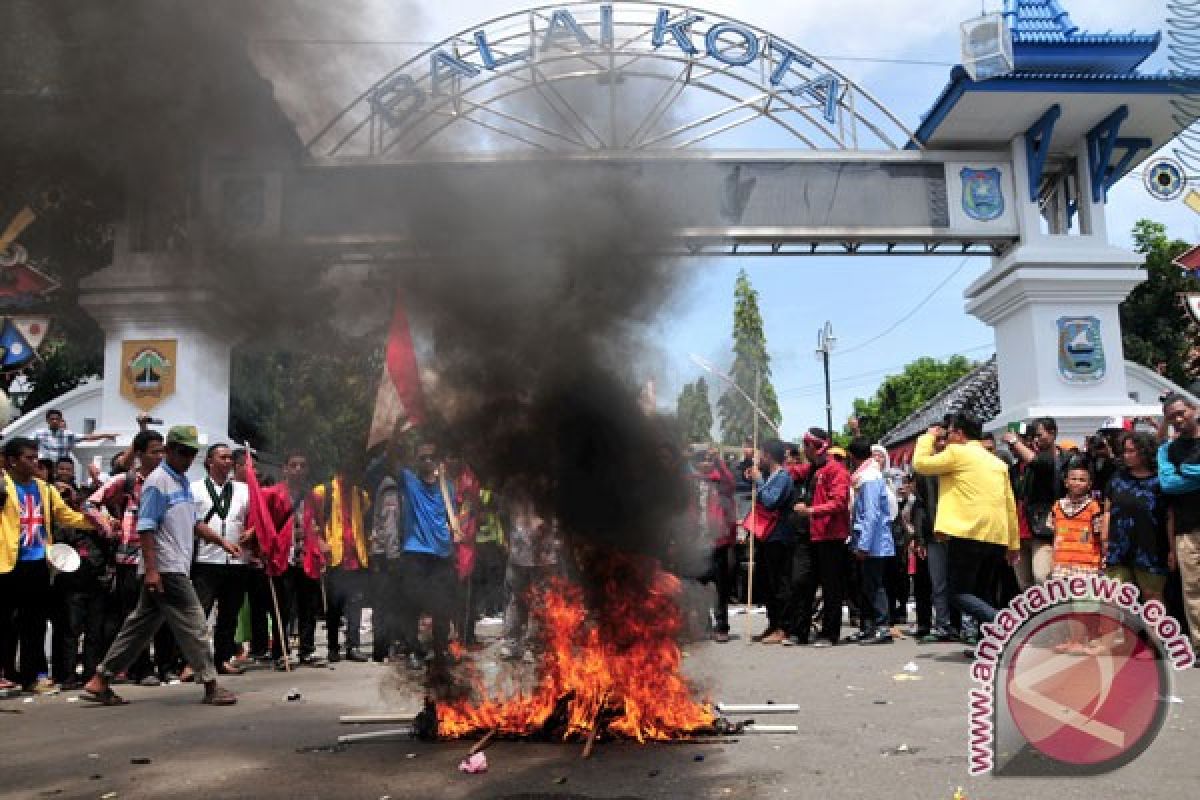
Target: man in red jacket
(296, 557)
(827, 485)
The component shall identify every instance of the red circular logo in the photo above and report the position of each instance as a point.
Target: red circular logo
(1086, 688)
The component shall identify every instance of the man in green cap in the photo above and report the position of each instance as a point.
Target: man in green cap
(167, 526)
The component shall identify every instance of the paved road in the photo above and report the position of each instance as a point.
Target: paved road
(855, 716)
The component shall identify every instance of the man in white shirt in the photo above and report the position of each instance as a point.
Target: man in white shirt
(223, 504)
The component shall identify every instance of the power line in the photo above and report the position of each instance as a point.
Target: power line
(912, 313)
(817, 388)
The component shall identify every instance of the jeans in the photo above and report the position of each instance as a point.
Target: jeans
(876, 613)
(973, 567)
(224, 585)
(24, 608)
(938, 561)
(831, 557)
(347, 590)
(178, 606)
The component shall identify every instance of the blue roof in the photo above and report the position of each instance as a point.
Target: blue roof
(1045, 39)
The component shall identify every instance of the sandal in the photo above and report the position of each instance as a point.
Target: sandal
(220, 697)
(105, 698)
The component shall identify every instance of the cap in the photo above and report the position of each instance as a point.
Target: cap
(1068, 444)
(837, 451)
(184, 435)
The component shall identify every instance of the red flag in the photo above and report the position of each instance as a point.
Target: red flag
(399, 395)
(262, 522)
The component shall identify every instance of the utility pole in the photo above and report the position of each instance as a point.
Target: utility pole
(825, 343)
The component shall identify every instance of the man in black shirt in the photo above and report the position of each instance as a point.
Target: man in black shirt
(1179, 475)
(1043, 486)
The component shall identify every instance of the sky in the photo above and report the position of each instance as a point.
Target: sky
(863, 297)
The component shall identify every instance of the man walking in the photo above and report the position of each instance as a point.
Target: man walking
(976, 515)
(221, 577)
(167, 525)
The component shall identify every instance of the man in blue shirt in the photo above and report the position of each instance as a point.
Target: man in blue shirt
(427, 576)
(167, 526)
(871, 541)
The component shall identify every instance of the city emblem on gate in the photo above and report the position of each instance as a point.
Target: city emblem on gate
(982, 198)
(1080, 350)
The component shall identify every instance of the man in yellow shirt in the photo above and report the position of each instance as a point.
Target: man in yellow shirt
(976, 512)
(345, 506)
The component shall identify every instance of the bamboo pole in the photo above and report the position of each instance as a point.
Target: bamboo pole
(280, 627)
(483, 743)
(753, 512)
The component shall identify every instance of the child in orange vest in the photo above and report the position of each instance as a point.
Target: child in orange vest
(1079, 548)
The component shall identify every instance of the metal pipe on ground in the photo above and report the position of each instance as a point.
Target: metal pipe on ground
(758, 708)
(392, 733)
(405, 718)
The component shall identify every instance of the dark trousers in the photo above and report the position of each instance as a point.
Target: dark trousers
(258, 594)
(876, 613)
(923, 595)
(25, 599)
(81, 610)
(803, 591)
(225, 585)
(720, 574)
(299, 596)
(346, 594)
(383, 588)
(465, 608)
(831, 558)
(974, 566)
(489, 578)
(427, 583)
(896, 584)
(774, 564)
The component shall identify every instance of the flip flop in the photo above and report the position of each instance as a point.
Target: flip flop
(106, 698)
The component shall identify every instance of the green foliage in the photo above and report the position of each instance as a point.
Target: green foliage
(900, 395)
(751, 364)
(695, 412)
(1156, 331)
(317, 402)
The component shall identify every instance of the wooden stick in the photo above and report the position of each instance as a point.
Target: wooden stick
(281, 627)
(483, 743)
(590, 744)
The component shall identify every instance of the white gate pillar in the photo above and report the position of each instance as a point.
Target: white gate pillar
(163, 297)
(1027, 294)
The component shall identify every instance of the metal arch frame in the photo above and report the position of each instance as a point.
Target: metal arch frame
(523, 25)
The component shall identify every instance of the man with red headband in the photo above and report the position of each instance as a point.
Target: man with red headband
(826, 487)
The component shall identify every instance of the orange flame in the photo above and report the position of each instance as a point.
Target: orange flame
(617, 667)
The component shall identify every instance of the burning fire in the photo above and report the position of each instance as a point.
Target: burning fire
(613, 671)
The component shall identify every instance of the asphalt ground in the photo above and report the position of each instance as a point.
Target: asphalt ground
(862, 734)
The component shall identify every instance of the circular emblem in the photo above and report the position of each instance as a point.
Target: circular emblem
(1165, 179)
(1088, 687)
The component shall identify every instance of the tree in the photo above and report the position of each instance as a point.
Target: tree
(900, 395)
(1155, 330)
(695, 412)
(751, 363)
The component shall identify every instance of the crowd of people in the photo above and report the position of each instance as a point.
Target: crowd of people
(961, 531)
(160, 557)
(157, 561)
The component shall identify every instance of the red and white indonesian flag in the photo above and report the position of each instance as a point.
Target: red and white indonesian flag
(399, 396)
